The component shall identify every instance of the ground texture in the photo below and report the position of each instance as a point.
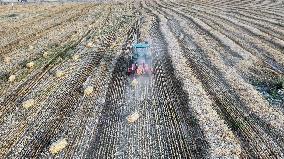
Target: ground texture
(216, 89)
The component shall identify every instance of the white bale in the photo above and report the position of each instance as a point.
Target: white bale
(12, 78)
(59, 74)
(31, 47)
(90, 45)
(134, 82)
(30, 65)
(7, 60)
(45, 54)
(75, 57)
(29, 103)
(89, 90)
(133, 117)
(58, 146)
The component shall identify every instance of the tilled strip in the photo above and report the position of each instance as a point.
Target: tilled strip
(221, 140)
(225, 97)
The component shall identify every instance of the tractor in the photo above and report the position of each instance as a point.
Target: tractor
(140, 60)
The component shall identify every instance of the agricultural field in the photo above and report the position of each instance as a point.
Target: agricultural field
(215, 90)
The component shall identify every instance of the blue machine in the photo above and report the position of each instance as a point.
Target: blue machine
(139, 63)
(140, 52)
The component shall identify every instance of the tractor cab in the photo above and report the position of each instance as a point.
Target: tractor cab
(140, 60)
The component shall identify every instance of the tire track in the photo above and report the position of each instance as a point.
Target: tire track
(260, 51)
(259, 12)
(18, 27)
(108, 39)
(221, 101)
(34, 36)
(274, 31)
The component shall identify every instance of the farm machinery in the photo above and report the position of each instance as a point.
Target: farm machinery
(140, 60)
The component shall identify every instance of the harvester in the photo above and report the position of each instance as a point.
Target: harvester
(140, 60)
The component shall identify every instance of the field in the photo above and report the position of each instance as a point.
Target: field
(216, 89)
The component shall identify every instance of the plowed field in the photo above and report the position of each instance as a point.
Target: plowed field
(216, 89)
